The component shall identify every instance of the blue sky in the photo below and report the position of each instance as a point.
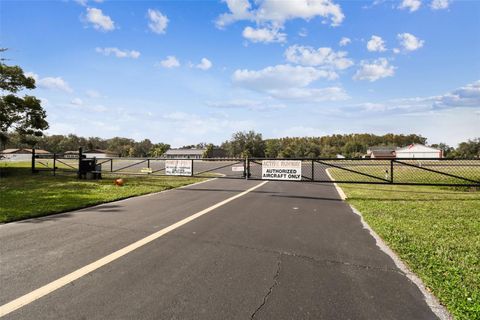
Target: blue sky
(184, 72)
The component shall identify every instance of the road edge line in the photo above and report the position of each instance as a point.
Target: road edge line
(340, 192)
(72, 276)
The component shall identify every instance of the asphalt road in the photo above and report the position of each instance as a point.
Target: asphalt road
(283, 251)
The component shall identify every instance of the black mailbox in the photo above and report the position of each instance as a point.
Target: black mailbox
(88, 168)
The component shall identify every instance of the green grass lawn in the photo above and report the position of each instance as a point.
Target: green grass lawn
(24, 195)
(435, 231)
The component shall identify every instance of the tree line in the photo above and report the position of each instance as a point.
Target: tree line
(251, 144)
(124, 147)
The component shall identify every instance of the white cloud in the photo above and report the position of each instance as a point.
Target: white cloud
(204, 64)
(118, 53)
(467, 96)
(158, 22)
(77, 102)
(412, 5)
(325, 57)
(287, 82)
(31, 75)
(276, 12)
(99, 20)
(52, 83)
(303, 33)
(169, 62)
(239, 10)
(84, 2)
(81, 2)
(311, 94)
(254, 105)
(93, 94)
(98, 108)
(439, 4)
(44, 101)
(344, 41)
(372, 71)
(409, 42)
(266, 35)
(184, 122)
(376, 43)
(278, 77)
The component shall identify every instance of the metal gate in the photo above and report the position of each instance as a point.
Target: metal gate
(437, 172)
(232, 168)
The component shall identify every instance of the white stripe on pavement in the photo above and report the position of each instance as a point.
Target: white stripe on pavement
(57, 284)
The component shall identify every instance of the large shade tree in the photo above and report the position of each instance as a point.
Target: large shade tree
(22, 114)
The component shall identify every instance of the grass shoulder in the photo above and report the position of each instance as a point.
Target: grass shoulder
(436, 231)
(25, 195)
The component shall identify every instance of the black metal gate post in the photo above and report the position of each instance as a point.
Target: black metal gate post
(111, 165)
(313, 170)
(80, 156)
(33, 161)
(247, 168)
(191, 173)
(54, 163)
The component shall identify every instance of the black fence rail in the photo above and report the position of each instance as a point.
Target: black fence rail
(437, 172)
(54, 163)
(233, 168)
(221, 168)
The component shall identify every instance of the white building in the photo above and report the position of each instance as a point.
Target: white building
(20, 154)
(184, 153)
(94, 153)
(418, 151)
(98, 153)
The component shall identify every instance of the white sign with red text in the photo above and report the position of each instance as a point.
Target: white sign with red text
(178, 167)
(282, 170)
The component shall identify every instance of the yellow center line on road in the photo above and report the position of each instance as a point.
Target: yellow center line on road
(57, 284)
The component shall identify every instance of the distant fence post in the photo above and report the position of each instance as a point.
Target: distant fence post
(313, 170)
(391, 171)
(111, 165)
(54, 163)
(191, 174)
(33, 160)
(247, 168)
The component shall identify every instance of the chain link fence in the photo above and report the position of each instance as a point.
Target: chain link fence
(448, 172)
(454, 172)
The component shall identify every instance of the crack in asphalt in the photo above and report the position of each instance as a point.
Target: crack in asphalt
(296, 255)
(270, 290)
